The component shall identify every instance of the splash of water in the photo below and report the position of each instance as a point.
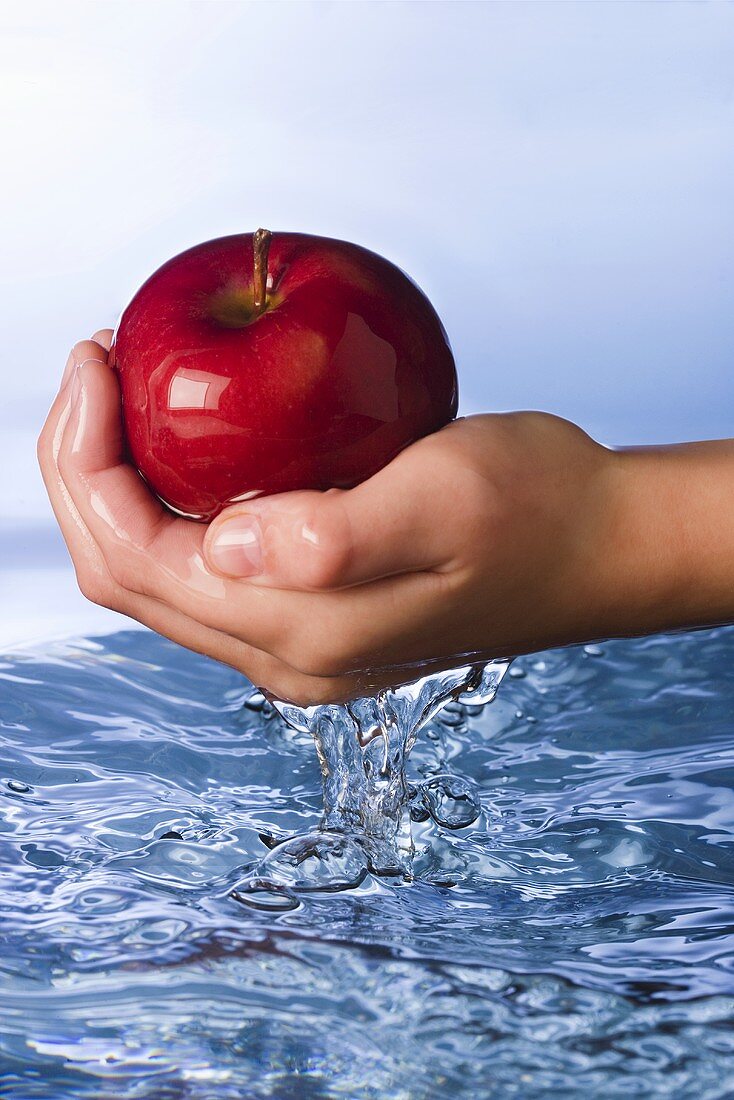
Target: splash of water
(363, 747)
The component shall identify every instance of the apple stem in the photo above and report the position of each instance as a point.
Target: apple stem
(260, 248)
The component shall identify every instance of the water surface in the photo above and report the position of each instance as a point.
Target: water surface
(578, 938)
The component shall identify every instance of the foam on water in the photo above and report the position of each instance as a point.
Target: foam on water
(176, 922)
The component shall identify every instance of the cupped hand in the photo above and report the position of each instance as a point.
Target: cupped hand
(482, 540)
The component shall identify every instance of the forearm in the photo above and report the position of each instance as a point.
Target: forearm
(672, 539)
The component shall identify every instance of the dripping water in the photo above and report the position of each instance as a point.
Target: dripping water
(368, 804)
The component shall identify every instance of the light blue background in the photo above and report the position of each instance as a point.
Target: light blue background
(558, 177)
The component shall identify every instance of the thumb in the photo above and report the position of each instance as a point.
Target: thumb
(325, 540)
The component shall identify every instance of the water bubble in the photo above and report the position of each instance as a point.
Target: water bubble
(172, 834)
(270, 897)
(316, 861)
(517, 672)
(17, 787)
(593, 651)
(451, 801)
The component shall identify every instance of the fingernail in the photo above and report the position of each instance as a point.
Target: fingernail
(236, 548)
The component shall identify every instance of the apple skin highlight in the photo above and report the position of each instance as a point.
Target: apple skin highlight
(226, 398)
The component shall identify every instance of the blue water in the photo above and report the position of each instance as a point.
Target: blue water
(577, 939)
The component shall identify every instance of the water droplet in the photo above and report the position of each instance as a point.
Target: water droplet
(451, 801)
(18, 787)
(316, 861)
(593, 651)
(270, 897)
(517, 672)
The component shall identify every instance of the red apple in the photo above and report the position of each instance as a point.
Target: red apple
(260, 363)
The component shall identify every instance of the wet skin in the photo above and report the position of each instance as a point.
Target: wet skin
(497, 535)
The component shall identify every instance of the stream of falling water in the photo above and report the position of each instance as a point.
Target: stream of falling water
(363, 747)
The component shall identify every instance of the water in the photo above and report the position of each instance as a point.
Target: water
(573, 937)
(363, 749)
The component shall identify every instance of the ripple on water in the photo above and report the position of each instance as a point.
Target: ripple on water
(175, 925)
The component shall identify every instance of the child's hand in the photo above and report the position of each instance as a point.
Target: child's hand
(498, 535)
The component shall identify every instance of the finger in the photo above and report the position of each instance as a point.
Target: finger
(277, 677)
(83, 350)
(95, 580)
(388, 525)
(103, 336)
(97, 584)
(151, 553)
(147, 550)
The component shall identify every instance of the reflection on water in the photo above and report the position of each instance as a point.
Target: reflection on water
(570, 926)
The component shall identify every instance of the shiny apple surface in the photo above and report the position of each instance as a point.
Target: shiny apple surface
(347, 364)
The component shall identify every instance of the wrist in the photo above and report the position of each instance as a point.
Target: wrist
(671, 560)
